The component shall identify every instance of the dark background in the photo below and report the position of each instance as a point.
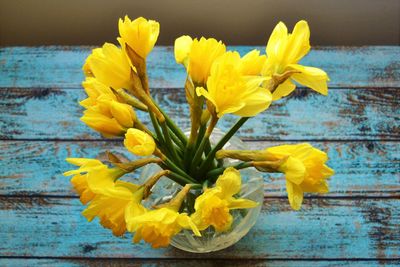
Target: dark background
(92, 22)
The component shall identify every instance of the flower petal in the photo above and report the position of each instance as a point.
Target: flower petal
(182, 48)
(294, 170)
(283, 89)
(295, 195)
(298, 43)
(252, 63)
(311, 77)
(276, 40)
(229, 182)
(255, 103)
(186, 222)
(242, 203)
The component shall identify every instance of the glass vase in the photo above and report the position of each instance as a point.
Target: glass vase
(243, 219)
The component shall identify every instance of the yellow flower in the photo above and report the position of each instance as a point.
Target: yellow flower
(158, 226)
(182, 48)
(304, 168)
(108, 116)
(231, 92)
(97, 52)
(110, 206)
(108, 198)
(109, 65)
(139, 142)
(198, 56)
(95, 89)
(105, 113)
(98, 177)
(252, 63)
(140, 34)
(284, 50)
(214, 205)
(79, 180)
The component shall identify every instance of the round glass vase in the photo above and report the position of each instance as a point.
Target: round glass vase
(243, 219)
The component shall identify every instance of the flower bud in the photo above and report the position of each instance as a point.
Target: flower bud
(109, 117)
(139, 142)
(182, 48)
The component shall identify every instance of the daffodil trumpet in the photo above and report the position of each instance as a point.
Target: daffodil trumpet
(208, 186)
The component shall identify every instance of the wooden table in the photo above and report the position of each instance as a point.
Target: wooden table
(358, 124)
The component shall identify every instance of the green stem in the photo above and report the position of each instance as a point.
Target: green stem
(130, 100)
(200, 148)
(191, 148)
(170, 165)
(187, 156)
(207, 150)
(180, 179)
(176, 140)
(197, 156)
(219, 171)
(180, 152)
(200, 136)
(172, 125)
(156, 128)
(170, 145)
(220, 162)
(210, 157)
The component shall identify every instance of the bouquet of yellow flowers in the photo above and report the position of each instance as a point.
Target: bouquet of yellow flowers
(207, 177)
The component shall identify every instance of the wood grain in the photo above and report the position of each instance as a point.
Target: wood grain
(60, 66)
(362, 168)
(358, 124)
(133, 262)
(346, 114)
(324, 228)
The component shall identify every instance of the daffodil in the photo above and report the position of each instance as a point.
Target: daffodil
(252, 63)
(94, 89)
(158, 226)
(105, 113)
(303, 165)
(304, 168)
(182, 49)
(108, 197)
(98, 177)
(140, 34)
(198, 56)
(232, 92)
(284, 51)
(108, 116)
(110, 206)
(139, 142)
(214, 205)
(110, 66)
(79, 179)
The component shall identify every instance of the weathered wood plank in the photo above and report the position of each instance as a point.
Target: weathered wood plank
(324, 228)
(362, 168)
(192, 262)
(60, 66)
(348, 114)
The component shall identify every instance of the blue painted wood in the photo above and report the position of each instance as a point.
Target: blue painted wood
(323, 229)
(193, 262)
(362, 168)
(357, 224)
(60, 66)
(350, 114)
